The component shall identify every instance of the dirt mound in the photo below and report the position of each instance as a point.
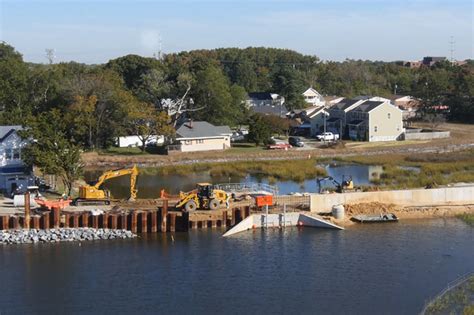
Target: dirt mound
(370, 208)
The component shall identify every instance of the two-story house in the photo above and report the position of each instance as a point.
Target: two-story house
(375, 121)
(313, 97)
(13, 172)
(337, 122)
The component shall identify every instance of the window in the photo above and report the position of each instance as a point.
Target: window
(200, 141)
(16, 154)
(375, 129)
(8, 154)
(388, 115)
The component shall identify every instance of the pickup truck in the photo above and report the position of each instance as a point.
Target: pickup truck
(327, 136)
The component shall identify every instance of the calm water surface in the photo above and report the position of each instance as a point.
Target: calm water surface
(366, 269)
(149, 186)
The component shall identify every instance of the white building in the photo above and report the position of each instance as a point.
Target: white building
(201, 136)
(135, 141)
(313, 97)
(13, 172)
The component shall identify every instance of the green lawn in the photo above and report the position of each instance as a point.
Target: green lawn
(244, 148)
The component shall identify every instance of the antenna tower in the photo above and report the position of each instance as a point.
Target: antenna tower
(50, 55)
(452, 45)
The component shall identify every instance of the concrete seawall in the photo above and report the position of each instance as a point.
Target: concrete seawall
(459, 195)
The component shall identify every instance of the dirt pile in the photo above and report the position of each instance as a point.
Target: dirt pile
(370, 208)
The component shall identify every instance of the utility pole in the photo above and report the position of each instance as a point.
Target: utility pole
(50, 55)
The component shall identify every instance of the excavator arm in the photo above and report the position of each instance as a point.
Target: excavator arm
(133, 172)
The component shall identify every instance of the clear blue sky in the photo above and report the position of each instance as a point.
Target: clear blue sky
(96, 31)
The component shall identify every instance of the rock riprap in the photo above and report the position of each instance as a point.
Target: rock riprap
(61, 235)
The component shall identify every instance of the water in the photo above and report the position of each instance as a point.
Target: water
(149, 186)
(366, 269)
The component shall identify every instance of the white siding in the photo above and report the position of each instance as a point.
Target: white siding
(205, 144)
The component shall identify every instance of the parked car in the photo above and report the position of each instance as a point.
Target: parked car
(328, 136)
(295, 141)
(279, 146)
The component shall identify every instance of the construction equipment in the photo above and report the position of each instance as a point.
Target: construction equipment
(203, 197)
(93, 195)
(346, 184)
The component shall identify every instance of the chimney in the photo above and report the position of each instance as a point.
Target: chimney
(190, 123)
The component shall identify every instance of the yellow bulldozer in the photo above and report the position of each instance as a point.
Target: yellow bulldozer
(93, 195)
(203, 197)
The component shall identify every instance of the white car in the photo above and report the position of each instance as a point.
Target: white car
(327, 136)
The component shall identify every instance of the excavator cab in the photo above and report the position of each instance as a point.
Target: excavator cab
(347, 182)
(204, 190)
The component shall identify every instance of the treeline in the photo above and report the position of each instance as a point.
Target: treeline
(97, 103)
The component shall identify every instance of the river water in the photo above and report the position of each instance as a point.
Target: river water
(365, 269)
(149, 185)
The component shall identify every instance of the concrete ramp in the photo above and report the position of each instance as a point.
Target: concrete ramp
(280, 220)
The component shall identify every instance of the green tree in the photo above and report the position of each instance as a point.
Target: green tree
(213, 93)
(260, 131)
(14, 89)
(51, 149)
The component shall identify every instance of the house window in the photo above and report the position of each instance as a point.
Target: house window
(199, 141)
(375, 129)
(8, 154)
(388, 115)
(16, 154)
(187, 142)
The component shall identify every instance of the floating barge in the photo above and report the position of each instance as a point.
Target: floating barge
(381, 218)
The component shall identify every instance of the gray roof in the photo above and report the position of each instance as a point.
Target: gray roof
(344, 104)
(201, 129)
(367, 106)
(270, 110)
(7, 130)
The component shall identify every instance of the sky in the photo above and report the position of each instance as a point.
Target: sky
(97, 31)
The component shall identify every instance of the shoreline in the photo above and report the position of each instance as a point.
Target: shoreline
(94, 160)
(405, 212)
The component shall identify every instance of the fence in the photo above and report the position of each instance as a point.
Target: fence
(247, 188)
(451, 285)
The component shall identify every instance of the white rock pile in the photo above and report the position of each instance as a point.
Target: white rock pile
(61, 235)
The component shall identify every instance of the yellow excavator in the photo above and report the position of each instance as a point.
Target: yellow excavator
(93, 195)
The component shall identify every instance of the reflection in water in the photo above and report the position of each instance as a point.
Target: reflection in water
(149, 186)
(365, 269)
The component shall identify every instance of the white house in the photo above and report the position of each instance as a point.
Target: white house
(201, 136)
(313, 97)
(13, 172)
(135, 141)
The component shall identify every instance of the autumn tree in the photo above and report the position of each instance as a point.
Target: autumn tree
(145, 122)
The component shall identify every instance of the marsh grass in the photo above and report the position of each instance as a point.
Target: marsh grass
(435, 169)
(469, 219)
(294, 170)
